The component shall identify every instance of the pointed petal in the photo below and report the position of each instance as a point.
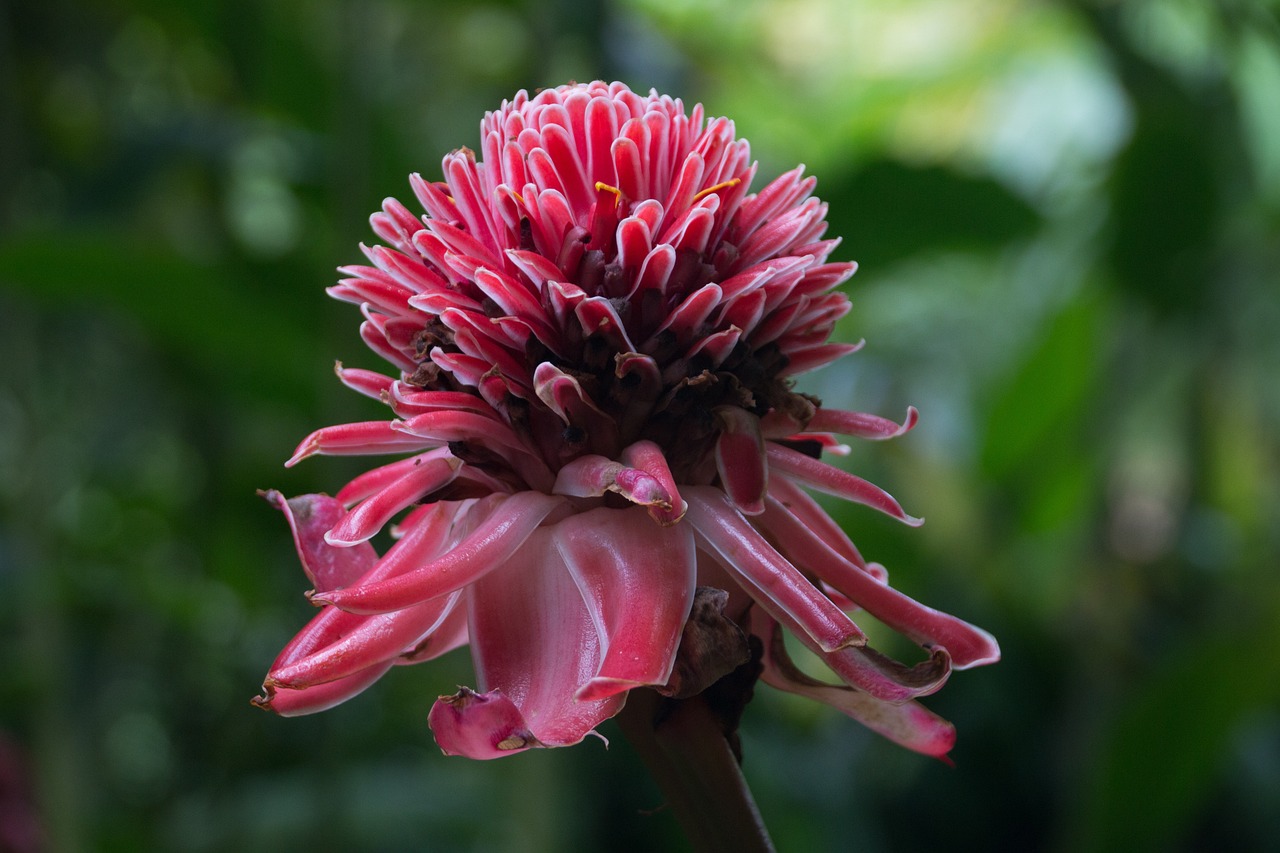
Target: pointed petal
(637, 580)
(833, 481)
(433, 471)
(967, 645)
(375, 640)
(862, 425)
(359, 439)
(311, 700)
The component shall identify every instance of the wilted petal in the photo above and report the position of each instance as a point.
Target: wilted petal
(479, 725)
(311, 517)
(908, 724)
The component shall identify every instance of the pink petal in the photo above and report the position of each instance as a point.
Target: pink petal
(649, 458)
(773, 582)
(862, 425)
(740, 458)
(451, 633)
(811, 358)
(533, 639)
(637, 580)
(489, 547)
(367, 382)
(833, 481)
(321, 697)
(374, 640)
(434, 471)
(592, 476)
(968, 645)
(794, 518)
(310, 517)
(376, 479)
(359, 439)
(908, 724)
(479, 725)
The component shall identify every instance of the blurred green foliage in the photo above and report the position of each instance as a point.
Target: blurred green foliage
(1068, 220)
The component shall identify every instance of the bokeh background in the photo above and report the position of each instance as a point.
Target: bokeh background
(1068, 222)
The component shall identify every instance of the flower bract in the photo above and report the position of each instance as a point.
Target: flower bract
(594, 324)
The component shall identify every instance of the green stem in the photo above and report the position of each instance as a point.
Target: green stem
(682, 745)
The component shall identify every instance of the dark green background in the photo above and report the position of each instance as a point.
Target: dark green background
(1067, 219)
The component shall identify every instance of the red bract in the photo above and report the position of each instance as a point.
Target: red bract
(595, 326)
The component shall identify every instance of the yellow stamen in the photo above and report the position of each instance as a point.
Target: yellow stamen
(733, 182)
(617, 193)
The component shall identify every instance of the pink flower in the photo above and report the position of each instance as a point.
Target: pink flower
(596, 325)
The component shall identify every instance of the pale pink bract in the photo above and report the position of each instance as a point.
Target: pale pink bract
(595, 326)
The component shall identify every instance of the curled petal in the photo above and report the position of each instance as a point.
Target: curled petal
(479, 725)
(649, 458)
(908, 724)
(885, 678)
(592, 476)
(310, 517)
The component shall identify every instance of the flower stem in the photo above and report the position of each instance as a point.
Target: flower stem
(682, 744)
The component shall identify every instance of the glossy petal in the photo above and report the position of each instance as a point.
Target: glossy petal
(773, 582)
(533, 638)
(637, 579)
(480, 553)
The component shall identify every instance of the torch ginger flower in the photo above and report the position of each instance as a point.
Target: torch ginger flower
(596, 325)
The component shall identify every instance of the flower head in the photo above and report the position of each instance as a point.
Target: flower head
(595, 327)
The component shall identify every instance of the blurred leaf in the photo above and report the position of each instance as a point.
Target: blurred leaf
(1042, 405)
(888, 211)
(257, 340)
(1164, 752)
